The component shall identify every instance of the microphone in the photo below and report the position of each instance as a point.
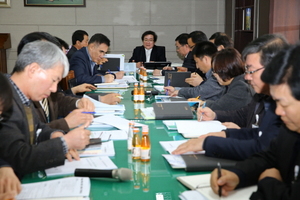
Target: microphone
(148, 92)
(122, 174)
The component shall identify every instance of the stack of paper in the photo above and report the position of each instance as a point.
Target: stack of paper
(65, 188)
(109, 135)
(105, 109)
(201, 183)
(103, 149)
(176, 161)
(194, 129)
(170, 146)
(112, 85)
(100, 162)
(127, 79)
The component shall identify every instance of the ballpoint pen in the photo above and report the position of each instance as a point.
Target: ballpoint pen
(203, 106)
(167, 92)
(219, 176)
(89, 113)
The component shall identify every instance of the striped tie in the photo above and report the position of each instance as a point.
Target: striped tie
(46, 108)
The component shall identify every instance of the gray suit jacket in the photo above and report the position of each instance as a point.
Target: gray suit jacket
(15, 147)
(208, 89)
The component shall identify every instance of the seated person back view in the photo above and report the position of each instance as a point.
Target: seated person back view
(148, 52)
(85, 61)
(80, 38)
(239, 144)
(27, 144)
(228, 69)
(9, 182)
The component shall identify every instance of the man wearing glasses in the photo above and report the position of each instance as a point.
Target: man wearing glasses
(258, 120)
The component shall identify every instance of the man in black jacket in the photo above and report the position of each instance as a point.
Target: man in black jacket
(275, 171)
(239, 144)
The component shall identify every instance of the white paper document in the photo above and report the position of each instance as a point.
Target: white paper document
(64, 188)
(103, 149)
(127, 79)
(104, 109)
(194, 129)
(109, 135)
(99, 162)
(176, 161)
(170, 146)
(202, 184)
(114, 84)
(112, 120)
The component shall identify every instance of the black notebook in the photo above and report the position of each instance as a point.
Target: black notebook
(172, 111)
(176, 79)
(200, 162)
(156, 65)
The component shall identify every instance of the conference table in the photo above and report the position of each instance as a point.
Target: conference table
(155, 179)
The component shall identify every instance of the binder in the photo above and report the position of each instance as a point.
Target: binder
(176, 79)
(172, 111)
(200, 162)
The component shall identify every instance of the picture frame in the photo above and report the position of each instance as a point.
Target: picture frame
(55, 3)
(5, 3)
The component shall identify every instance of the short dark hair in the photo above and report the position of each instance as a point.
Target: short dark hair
(267, 45)
(149, 33)
(198, 36)
(62, 43)
(205, 48)
(285, 69)
(78, 35)
(228, 63)
(99, 38)
(34, 36)
(213, 36)
(182, 38)
(223, 39)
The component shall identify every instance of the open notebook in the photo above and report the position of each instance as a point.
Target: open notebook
(202, 183)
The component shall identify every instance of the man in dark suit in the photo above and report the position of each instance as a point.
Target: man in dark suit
(276, 170)
(149, 51)
(25, 143)
(80, 39)
(9, 183)
(85, 61)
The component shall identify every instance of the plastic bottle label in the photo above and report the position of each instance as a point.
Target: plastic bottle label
(145, 154)
(136, 152)
(129, 143)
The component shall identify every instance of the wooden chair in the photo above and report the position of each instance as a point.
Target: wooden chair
(69, 81)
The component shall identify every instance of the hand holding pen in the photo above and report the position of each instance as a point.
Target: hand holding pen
(200, 115)
(223, 181)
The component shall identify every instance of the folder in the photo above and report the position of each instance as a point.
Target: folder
(200, 162)
(172, 111)
(176, 79)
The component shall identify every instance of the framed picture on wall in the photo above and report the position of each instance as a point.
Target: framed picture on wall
(4, 3)
(56, 3)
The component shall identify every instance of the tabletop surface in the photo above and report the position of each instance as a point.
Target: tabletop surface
(151, 179)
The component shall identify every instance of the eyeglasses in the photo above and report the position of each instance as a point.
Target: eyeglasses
(251, 72)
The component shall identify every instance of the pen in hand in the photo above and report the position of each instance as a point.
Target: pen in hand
(219, 176)
(167, 91)
(203, 106)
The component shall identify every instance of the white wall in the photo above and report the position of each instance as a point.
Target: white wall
(122, 21)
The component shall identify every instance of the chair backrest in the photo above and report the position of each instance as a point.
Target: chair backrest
(68, 80)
